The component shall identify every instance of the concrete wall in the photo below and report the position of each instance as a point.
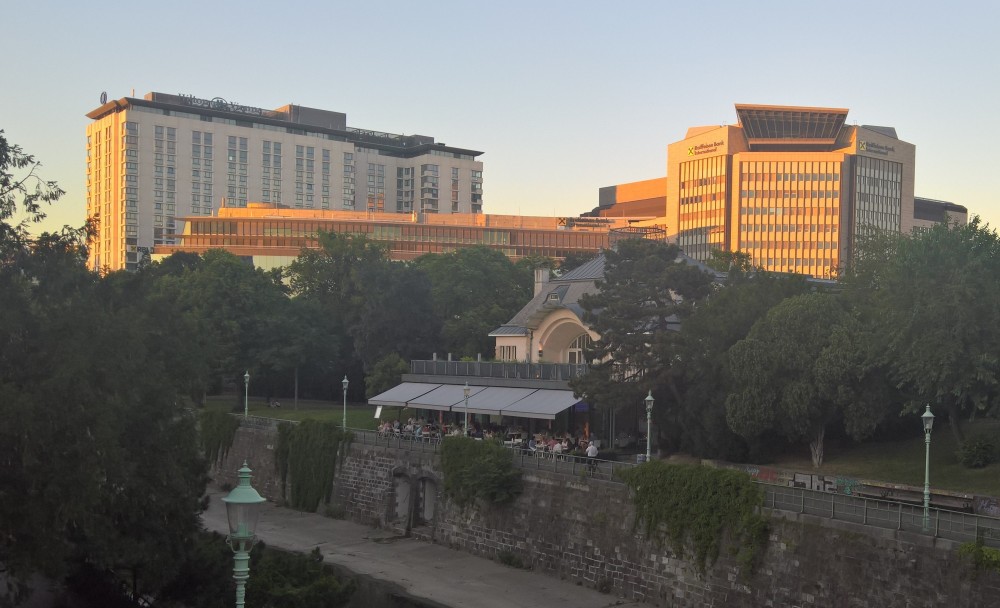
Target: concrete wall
(581, 529)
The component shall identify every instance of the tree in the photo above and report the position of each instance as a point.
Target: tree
(372, 305)
(474, 291)
(701, 369)
(646, 293)
(797, 372)
(235, 308)
(98, 459)
(730, 261)
(22, 191)
(395, 314)
(931, 301)
(575, 259)
(386, 374)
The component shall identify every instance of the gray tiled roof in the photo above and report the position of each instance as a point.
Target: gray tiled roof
(509, 330)
(592, 271)
(564, 292)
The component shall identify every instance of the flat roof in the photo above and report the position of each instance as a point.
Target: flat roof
(402, 145)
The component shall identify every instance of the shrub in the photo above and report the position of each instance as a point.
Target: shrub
(977, 452)
(509, 558)
(982, 559)
(481, 470)
(218, 430)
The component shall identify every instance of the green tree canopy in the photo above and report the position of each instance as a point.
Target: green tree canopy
(797, 372)
(700, 375)
(474, 291)
(370, 305)
(98, 457)
(646, 293)
(931, 301)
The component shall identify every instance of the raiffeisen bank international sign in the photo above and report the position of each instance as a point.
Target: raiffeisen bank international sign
(705, 148)
(874, 148)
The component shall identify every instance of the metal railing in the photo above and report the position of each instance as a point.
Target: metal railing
(499, 369)
(569, 464)
(886, 514)
(940, 523)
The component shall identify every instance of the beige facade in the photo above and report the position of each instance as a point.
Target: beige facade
(791, 186)
(154, 160)
(550, 328)
(928, 212)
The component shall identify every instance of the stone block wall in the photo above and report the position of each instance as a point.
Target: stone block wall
(365, 483)
(255, 446)
(581, 529)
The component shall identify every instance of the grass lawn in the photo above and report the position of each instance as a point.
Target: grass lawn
(902, 462)
(359, 415)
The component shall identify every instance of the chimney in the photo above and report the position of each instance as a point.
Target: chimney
(541, 279)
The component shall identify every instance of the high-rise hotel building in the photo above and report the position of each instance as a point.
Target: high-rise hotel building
(155, 160)
(792, 186)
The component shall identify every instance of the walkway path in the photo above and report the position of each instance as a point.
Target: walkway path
(423, 570)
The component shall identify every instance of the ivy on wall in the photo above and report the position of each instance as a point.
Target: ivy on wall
(218, 429)
(693, 507)
(306, 454)
(982, 558)
(478, 470)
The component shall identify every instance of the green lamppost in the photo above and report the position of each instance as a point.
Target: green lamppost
(242, 510)
(928, 419)
(649, 425)
(465, 391)
(344, 383)
(246, 394)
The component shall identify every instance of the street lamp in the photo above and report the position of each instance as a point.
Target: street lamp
(928, 419)
(649, 424)
(465, 391)
(246, 394)
(344, 384)
(242, 510)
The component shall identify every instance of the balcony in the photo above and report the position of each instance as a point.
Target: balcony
(499, 369)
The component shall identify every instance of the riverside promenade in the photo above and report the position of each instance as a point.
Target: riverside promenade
(427, 574)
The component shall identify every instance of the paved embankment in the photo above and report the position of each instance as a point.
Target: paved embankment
(423, 571)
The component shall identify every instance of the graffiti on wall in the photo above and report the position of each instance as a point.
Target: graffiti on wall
(825, 483)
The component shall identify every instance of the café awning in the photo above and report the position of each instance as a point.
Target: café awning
(517, 402)
(495, 399)
(542, 403)
(400, 395)
(444, 397)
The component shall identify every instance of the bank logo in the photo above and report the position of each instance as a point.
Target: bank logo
(691, 151)
(872, 147)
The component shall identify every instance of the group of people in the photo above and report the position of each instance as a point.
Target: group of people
(554, 444)
(415, 428)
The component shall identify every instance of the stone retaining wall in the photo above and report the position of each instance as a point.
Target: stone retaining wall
(581, 529)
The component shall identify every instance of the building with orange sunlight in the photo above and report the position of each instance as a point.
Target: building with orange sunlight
(155, 160)
(273, 236)
(791, 186)
(645, 199)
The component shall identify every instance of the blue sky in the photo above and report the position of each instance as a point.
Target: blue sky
(563, 97)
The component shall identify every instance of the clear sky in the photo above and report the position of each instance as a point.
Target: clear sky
(563, 97)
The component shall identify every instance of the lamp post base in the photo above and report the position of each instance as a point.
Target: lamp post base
(241, 573)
